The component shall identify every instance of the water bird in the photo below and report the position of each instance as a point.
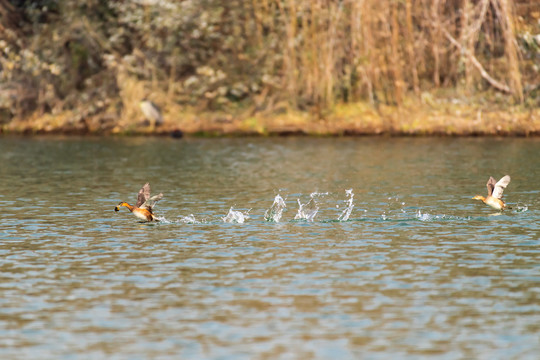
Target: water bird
(495, 192)
(151, 112)
(143, 209)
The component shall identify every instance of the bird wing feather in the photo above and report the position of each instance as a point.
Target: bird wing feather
(151, 202)
(491, 185)
(500, 186)
(144, 194)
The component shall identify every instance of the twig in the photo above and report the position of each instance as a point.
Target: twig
(496, 84)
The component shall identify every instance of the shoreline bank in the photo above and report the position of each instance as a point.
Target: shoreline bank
(345, 120)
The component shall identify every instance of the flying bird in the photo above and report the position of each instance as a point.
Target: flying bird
(143, 209)
(495, 192)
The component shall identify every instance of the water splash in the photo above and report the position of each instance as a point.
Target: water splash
(163, 220)
(235, 216)
(429, 217)
(521, 207)
(424, 216)
(190, 219)
(276, 210)
(309, 210)
(345, 214)
(313, 194)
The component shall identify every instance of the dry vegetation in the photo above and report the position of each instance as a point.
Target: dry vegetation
(272, 66)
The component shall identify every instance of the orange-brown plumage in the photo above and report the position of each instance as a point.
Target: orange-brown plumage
(143, 209)
(495, 192)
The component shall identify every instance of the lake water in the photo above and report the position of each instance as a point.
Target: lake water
(418, 270)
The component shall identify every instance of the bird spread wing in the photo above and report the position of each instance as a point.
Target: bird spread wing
(151, 202)
(144, 194)
(500, 186)
(491, 185)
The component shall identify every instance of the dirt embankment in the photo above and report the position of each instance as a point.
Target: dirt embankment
(421, 119)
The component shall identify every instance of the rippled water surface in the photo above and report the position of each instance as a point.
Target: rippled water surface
(419, 269)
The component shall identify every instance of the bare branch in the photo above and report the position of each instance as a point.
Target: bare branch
(496, 84)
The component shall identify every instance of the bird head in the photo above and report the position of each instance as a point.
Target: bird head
(117, 207)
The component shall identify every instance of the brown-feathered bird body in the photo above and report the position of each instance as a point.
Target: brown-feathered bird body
(495, 192)
(143, 208)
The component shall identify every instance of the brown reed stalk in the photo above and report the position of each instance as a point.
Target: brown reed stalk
(468, 41)
(353, 58)
(372, 70)
(379, 49)
(309, 61)
(436, 40)
(258, 13)
(331, 52)
(288, 14)
(395, 55)
(504, 12)
(410, 45)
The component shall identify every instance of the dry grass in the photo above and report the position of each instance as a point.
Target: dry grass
(378, 50)
(312, 66)
(415, 117)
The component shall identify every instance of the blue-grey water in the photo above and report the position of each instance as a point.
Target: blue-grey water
(418, 270)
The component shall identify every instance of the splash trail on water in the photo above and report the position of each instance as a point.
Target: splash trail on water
(309, 210)
(235, 216)
(394, 211)
(190, 219)
(276, 210)
(345, 214)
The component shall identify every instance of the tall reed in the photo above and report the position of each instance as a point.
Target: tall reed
(381, 49)
(311, 54)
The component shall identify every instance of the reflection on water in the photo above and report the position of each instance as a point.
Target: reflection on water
(411, 268)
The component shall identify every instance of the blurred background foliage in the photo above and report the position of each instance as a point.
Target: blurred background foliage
(94, 60)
